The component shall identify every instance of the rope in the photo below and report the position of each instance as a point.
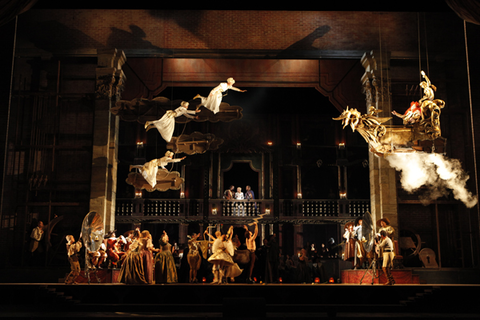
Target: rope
(471, 114)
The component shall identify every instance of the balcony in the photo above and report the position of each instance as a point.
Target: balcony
(306, 211)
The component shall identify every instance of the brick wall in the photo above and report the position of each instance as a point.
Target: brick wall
(224, 30)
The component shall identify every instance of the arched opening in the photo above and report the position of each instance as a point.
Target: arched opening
(240, 174)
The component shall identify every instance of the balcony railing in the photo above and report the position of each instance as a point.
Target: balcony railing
(219, 208)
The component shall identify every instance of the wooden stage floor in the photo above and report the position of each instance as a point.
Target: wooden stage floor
(239, 301)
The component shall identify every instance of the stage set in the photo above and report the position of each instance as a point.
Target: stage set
(339, 145)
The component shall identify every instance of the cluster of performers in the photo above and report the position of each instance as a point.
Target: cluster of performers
(140, 262)
(384, 247)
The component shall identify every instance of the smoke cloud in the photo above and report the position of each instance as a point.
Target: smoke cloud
(435, 173)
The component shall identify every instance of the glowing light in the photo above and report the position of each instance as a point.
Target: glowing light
(299, 195)
(138, 194)
(331, 280)
(270, 143)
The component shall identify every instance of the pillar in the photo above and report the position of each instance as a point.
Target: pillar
(109, 85)
(376, 86)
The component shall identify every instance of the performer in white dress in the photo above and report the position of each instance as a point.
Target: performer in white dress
(239, 204)
(231, 271)
(166, 124)
(212, 102)
(149, 170)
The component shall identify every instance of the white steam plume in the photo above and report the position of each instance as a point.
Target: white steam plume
(435, 172)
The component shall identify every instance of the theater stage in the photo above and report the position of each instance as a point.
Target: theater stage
(240, 301)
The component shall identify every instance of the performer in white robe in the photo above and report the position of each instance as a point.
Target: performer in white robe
(212, 102)
(149, 170)
(166, 124)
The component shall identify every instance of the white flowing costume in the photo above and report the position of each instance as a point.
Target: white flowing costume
(149, 170)
(212, 102)
(166, 124)
(234, 270)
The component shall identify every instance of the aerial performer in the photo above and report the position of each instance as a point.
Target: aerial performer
(149, 170)
(412, 115)
(212, 102)
(166, 124)
(415, 112)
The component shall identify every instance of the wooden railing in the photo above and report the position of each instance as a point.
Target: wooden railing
(217, 208)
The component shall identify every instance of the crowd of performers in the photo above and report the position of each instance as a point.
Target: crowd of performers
(383, 250)
(207, 258)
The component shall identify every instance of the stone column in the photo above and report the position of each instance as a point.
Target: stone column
(109, 85)
(376, 86)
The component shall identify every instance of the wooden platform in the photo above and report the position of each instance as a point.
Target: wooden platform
(368, 276)
(240, 301)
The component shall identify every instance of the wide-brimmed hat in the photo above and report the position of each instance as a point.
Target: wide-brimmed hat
(387, 222)
(348, 224)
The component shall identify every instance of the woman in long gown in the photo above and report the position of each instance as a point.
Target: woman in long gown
(150, 169)
(349, 236)
(132, 271)
(165, 269)
(166, 124)
(146, 254)
(212, 102)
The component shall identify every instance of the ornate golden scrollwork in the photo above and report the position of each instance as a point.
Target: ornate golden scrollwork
(421, 122)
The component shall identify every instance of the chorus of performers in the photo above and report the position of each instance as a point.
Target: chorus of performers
(383, 251)
(213, 256)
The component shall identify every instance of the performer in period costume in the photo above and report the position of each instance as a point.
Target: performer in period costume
(412, 114)
(212, 102)
(72, 252)
(115, 255)
(132, 270)
(231, 271)
(219, 258)
(349, 236)
(386, 245)
(360, 254)
(36, 236)
(98, 257)
(146, 253)
(239, 204)
(149, 170)
(166, 124)
(193, 257)
(250, 195)
(228, 194)
(251, 247)
(165, 269)
(384, 224)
